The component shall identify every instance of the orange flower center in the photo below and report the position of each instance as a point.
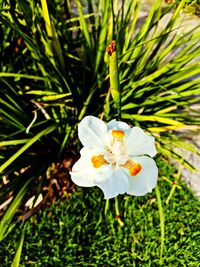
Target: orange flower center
(118, 134)
(133, 167)
(116, 155)
(98, 161)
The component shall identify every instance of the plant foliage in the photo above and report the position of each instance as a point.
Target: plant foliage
(54, 71)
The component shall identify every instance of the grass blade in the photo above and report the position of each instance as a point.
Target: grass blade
(17, 257)
(11, 210)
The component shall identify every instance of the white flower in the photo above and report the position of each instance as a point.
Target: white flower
(115, 158)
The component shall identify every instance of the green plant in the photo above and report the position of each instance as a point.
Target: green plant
(54, 68)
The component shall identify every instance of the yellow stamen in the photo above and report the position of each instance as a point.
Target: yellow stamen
(133, 167)
(118, 134)
(98, 161)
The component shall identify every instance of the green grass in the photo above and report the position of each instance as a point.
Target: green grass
(75, 231)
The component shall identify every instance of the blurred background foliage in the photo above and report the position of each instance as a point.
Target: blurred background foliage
(54, 71)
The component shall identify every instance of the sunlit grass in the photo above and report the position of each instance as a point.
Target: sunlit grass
(75, 231)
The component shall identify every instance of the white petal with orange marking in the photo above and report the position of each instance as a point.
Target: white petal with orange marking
(146, 179)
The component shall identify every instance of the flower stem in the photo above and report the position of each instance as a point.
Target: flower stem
(114, 77)
(175, 183)
(121, 223)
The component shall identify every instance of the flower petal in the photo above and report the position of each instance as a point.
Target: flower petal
(117, 125)
(82, 170)
(83, 178)
(139, 143)
(93, 133)
(115, 181)
(146, 179)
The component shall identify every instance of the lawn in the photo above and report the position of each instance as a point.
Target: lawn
(74, 231)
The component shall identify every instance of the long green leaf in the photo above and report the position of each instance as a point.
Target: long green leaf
(102, 37)
(17, 257)
(84, 25)
(26, 146)
(13, 142)
(152, 118)
(11, 210)
(20, 75)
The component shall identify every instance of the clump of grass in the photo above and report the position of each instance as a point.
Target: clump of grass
(75, 232)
